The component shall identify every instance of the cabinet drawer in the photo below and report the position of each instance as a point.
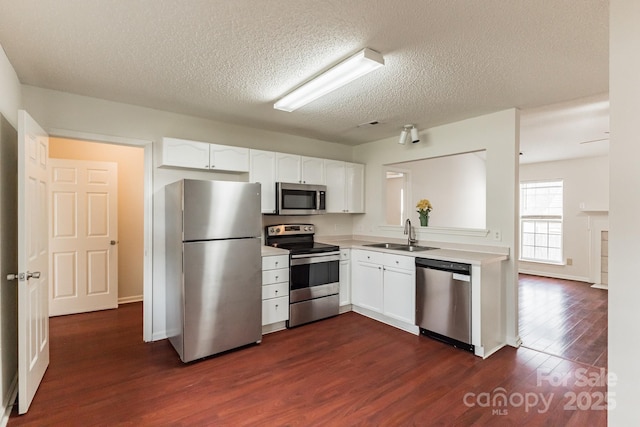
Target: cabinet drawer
(273, 262)
(275, 310)
(276, 290)
(369, 256)
(345, 254)
(399, 261)
(270, 277)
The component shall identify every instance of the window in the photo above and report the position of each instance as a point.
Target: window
(541, 221)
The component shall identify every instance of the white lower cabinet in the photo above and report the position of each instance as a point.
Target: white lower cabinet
(384, 283)
(399, 294)
(275, 289)
(366, 287)
(275, 310)
(345, 277)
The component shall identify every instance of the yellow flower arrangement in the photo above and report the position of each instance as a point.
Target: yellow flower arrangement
(424, 207)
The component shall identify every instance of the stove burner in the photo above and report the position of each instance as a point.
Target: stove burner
(297, 238)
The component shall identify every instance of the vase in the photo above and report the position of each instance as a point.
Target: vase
(424, 220)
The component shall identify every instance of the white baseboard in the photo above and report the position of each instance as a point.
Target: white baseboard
(555, 275)
(128, 300)
(345, 308)
(157, 336)
(412, 329)
(514, 341)
(8, 404)
(274, 327)
(600, 286)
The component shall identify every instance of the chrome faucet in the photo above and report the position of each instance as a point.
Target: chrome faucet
(408, 230)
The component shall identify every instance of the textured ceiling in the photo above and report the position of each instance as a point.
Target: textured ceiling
(229, 60)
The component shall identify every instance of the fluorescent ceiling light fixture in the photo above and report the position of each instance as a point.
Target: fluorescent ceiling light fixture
(345, 72)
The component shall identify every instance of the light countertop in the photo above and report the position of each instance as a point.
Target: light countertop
(271, 251)
(473, 257)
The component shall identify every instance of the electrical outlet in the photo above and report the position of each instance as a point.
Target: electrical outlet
(569, 261)
(497, 235)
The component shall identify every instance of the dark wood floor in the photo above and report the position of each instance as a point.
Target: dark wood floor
(564, 318)
(347, 370)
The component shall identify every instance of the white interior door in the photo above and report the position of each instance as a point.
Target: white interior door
(33, 258)
(83, 236)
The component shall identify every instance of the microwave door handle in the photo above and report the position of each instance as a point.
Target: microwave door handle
(318, 200)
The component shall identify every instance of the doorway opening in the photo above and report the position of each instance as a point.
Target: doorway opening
(561, 251)
(134, 159)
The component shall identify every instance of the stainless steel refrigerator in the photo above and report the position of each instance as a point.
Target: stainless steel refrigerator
(213, 266)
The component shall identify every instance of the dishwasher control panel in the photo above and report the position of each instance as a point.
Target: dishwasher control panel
(454, 267)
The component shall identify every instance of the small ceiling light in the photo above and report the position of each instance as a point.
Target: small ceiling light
(345, 72)
(414, 135)
(403, 137)
(409, 129)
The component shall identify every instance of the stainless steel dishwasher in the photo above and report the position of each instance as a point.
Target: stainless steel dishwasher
(443, 301)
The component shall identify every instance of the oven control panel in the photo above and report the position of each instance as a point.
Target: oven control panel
(290, 229)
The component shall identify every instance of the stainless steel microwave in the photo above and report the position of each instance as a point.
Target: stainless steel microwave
(300, 199)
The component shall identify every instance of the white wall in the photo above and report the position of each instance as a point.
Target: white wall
(10, 101)
(58, 110)
(498, 133)
(624, 234)
(10, 97)
(455, 186)
(586, 183)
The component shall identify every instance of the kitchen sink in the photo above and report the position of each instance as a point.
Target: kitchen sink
(385, 245)
(412, 248)
(400, 247)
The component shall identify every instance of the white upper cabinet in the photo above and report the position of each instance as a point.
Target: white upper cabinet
(228, 158)
(262, 169)
(312, 170)
(202, 155)
(354, 184)
(336, 188)
(345, 186)
(288, 167)
(300, 169)
(185, 154)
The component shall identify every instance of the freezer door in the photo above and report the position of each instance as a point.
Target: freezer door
(222, 296)
(221, 210)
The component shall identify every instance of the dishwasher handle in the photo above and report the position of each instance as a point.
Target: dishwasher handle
(450, 266)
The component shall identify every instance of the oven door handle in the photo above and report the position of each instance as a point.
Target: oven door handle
(314, 258)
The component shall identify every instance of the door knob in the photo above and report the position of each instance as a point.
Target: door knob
(113, 242)
(34, 275)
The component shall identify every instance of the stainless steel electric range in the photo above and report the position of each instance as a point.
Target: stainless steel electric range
(314, 272)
